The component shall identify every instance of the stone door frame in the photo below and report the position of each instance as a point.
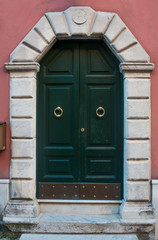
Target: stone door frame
(81, 23)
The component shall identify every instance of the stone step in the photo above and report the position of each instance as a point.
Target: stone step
(74, 224)
(78, 237)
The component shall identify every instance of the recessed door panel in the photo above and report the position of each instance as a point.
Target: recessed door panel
(97, 64)
(62, 63)
(59, 127)
(100, 115)
(54, 166)
(103, 166)
(79, 122)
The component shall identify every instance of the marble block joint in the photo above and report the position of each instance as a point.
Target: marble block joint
(135, 66)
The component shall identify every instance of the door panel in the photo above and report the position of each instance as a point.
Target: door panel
(100, 166)
(54, 166)
(59, 129)
(59, 168)
(100, 128)
(79, 124)
(101, 141)
(96, 62)
(62, 62)
(57, 144)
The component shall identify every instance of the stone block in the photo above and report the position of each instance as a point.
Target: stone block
(156, 230)
(137, 213)
(115, 28)
(124, 40)
(135, 54)
(23, 74)
(80, 20)
(138, 149)
(21, 211)
(22, 108)
(137, 129)
(138, 170)
(133, 86)
(34, 40)
(4, 194)
(155, 203)
(22, 169)
(22, 189)
(22, 148)
(138, 108)
(99, 28)
(155, 195)
(44, 28)
(23, 128)
(23, 87)
(58, 22)
(24, 54)
(136, 67)
(137, 74)
(79, 207)
(138, 191)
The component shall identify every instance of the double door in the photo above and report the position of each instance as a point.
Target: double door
(79, 123)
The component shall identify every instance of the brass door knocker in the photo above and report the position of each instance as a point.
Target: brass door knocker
(100, 112)
(58, 112)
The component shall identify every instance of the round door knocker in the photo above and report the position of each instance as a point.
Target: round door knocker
(58, 112)
(100, 111)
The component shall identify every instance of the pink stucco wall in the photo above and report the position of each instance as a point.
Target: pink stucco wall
(19, 16)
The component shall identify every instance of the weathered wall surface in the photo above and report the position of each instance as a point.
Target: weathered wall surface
(18, 17)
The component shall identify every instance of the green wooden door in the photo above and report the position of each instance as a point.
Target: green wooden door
(79, 121)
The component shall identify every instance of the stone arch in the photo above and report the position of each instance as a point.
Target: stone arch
(80, 22)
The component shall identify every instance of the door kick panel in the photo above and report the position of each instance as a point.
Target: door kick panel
(80, 191)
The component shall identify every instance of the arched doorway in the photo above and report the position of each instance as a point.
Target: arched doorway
(81, 23)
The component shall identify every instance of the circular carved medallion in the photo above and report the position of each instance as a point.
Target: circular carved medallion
(80, 16)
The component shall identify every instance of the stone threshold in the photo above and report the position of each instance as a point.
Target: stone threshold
(75, 224)
(77, 237)
(79, 207)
